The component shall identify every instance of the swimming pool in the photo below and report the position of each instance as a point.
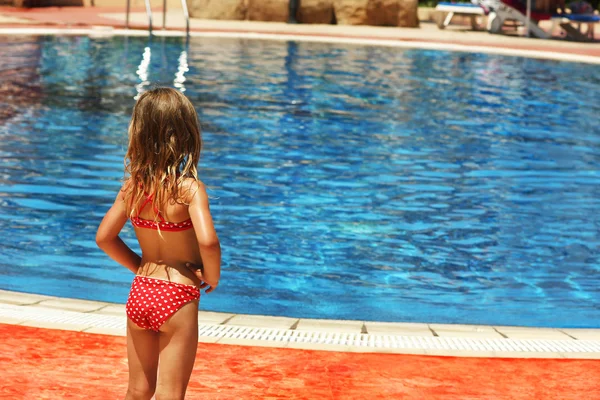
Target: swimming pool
(347, 182)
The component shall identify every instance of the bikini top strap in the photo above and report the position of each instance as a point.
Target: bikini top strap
(149, 200)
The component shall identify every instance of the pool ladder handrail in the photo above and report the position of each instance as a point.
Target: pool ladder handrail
(186, 15)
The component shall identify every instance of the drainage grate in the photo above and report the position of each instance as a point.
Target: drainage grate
(39, 314)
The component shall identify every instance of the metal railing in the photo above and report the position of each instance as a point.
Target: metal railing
(149, 12)
(164, 21)
(186, 14)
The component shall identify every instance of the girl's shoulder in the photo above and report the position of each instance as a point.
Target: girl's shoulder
(189, 187)
(125, 188)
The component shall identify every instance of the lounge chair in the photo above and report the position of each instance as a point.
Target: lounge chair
(567, 22)
(500, 11)
(512, 10)
(465, 9)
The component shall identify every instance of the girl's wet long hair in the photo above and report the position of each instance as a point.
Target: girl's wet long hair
(164, 148)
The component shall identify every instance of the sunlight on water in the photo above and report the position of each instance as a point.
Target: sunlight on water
(346, 181)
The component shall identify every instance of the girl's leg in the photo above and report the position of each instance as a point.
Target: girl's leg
(142, 356)
(178, 342)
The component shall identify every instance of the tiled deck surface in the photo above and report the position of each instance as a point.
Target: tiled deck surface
(345, 336)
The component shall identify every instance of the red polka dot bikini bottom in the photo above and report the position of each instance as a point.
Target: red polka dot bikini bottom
(152, 301)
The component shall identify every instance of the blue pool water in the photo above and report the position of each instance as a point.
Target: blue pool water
(347, 182)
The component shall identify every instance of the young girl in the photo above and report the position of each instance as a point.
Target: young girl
(168, 208)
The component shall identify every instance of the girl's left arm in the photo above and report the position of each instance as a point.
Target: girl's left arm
(107, 237)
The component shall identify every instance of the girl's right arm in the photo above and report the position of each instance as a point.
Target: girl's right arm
(208, 242)
(107, 237)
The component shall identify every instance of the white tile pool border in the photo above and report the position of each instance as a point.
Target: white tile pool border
(396, 42)
(349, 336)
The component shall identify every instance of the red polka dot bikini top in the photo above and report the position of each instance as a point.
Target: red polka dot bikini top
(162, 224)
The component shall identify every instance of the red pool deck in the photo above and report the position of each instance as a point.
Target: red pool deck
(52, 364)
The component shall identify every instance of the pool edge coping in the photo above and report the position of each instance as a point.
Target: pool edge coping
(375, 332)
(406, 43)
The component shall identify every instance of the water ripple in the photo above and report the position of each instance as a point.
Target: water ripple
(345, 181)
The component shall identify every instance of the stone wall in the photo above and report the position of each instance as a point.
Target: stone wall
(408, 16)
(315, 12)
(218, 9)
(253, 10)
(351, 12)
(344, 12)
(401, 13)
(269, 10)
(383, 12)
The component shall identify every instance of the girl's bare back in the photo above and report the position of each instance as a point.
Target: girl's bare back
(165, 253)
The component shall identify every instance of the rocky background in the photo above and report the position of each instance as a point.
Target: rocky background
(401, 13)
